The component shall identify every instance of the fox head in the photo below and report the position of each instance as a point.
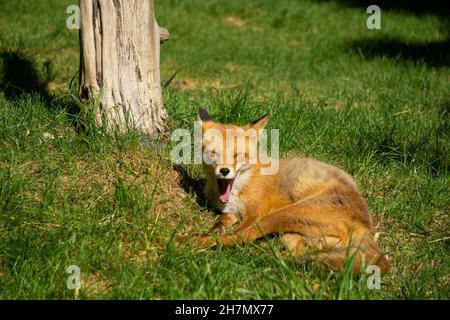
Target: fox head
(229, 150)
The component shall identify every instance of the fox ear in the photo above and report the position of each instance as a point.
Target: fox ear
(261, 122)
(203, 115)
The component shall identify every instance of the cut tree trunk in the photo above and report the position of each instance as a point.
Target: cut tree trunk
(119, 63)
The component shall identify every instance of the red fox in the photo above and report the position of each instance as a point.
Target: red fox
(308, 202)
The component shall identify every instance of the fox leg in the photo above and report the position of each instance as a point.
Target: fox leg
(225, 220)
(307, 224)
(365, 253)
(303, 223)
(332, 259)
(335, 259)
(297, 216)
(245, 224)
(294, 243)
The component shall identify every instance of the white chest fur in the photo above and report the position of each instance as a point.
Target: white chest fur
(234, 204)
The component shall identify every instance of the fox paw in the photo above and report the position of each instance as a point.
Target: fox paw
(203, 240)
(218, 230)
(182, 237)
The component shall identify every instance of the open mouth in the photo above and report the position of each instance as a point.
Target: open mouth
(225, 186)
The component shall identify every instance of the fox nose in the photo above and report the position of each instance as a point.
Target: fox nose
(224, 171)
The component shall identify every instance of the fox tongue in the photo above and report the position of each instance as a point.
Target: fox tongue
(224, 189)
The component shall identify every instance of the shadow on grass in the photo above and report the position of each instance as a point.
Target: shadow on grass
(387, 140)
(417, 7)
(18, 76)
(433, 53)
(190, 184)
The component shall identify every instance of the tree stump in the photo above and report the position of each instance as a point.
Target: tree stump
(119, 63)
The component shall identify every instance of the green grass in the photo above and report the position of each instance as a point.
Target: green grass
(373, 102)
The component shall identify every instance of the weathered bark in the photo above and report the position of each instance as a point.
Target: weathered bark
(120, 57)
